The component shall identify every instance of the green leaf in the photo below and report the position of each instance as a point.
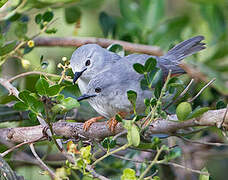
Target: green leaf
(32, 116)
(70, 103)
(127, 124)
(42, 86)
(24, 96)
(118, 118)
(72, 14)
(27, 49)
(108, 24)
(38, 106)
(183, 110)
(204, 177)
(54, 90)
(20, 106)
(38, 18)
(51, 31)
(48, 16)
(85, 152)
(150, 64)
(144, 84)
(105, 142)
(139, 68)
(173, 154)
(116, 48)
(2, 2)
(21, 30)
(156, 77)
(132, 96)
(112, 143)
(220, 105)
(7, 48)
(133, 135)
(198, 112)
(128, 174)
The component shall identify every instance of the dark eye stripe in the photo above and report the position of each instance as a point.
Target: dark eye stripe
(97, 90)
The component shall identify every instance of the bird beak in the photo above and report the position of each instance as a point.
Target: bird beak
(77, 75)
(85, 96)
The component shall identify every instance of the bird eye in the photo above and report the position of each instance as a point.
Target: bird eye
(87, 63)
(97, 90)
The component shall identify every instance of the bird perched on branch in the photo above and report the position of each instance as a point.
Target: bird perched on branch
(107, 89)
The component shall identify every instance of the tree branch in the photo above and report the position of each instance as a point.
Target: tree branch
(100, 130)
(79, 41)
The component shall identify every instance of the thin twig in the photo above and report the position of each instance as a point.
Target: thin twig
(208, 84)
(45, 167)
(120, 134)
(203, 143)
(111, 152)
(155, 160)
(79, 41)
(183, 167)
(17, 146)
(35, 72)
(181, 95)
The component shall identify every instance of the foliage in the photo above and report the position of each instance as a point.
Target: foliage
(53, 97)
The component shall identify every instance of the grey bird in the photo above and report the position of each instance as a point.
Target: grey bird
(88, 60)
(107, 91)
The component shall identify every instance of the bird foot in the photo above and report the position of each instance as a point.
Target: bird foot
(112, 124)
(89, 122)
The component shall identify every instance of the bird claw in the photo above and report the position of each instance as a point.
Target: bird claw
(112, 124)
(89, 122)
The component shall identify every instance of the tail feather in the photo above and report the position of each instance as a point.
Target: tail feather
(185, 49)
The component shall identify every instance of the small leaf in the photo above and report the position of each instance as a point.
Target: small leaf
(38, 18)
(220, 105)
(183, 110)
(150, 64)
(132, 96)
(27, 49)
(105, 142)
(85, 152)
(38, 106)
(202, 176)
(24, 96)
(173, 154)
(54, 90)
(48, 16)
(139, 68)
(72, 14)
(20, 106)
(51, 31)
(112, 143)
(108, 24)
(128, 174)
(198, 112)
(32, 116)
(42, 86)
(70, 103)
(118, 118)
(135, 137)
(2, 2)
(21, 30)
(116, 48)
(8, 47)
(144, 84)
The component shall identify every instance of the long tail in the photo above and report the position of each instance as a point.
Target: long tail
(181, 51)
(185, 49)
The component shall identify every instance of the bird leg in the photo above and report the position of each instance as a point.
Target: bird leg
(89, 122)
(113, 122)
